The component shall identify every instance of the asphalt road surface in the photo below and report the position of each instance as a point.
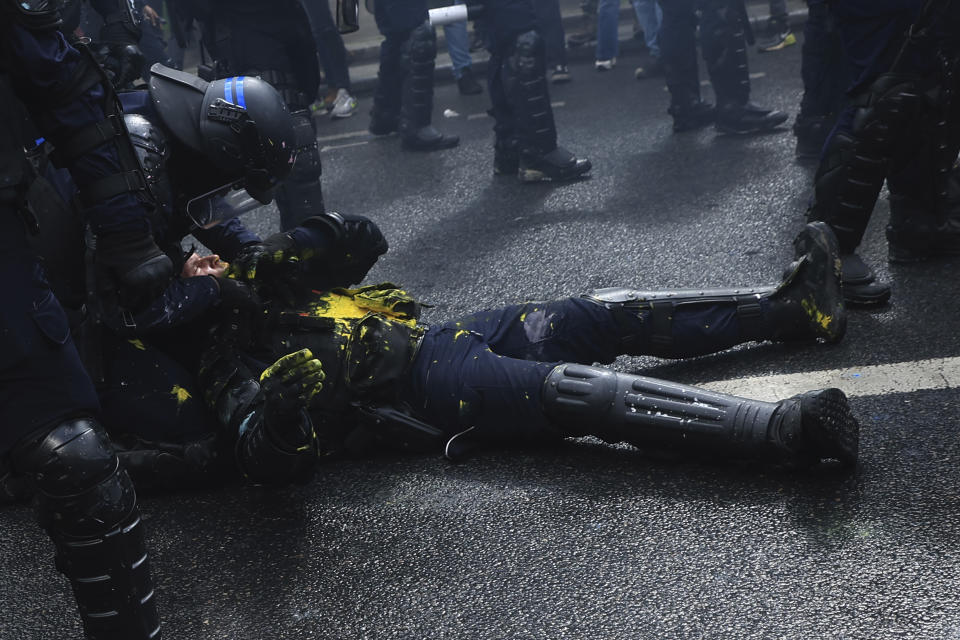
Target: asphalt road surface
(585, 540)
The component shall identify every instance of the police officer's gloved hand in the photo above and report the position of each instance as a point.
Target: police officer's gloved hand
(123, 63)
(290, 386)
(134, 266)
(364, 244)
(240, 311)
(274, 265)
(341, 249)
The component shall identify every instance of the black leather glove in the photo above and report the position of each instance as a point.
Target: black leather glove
(133, 267)
(354, 243)
(123, 63)
(272, 265)
(290, 385)
(363, 245)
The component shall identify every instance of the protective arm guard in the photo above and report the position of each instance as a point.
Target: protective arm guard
(68, 93)
(88, 506)
(326, 251)
(340, 249)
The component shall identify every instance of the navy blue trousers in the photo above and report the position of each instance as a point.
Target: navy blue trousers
(42, 379)
(487, 370)
(719, 22)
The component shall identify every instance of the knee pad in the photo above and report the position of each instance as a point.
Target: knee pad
(885, 110)
(421, 46)
(528, 58)
(83, 492)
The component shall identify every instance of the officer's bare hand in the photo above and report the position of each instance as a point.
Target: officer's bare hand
(150, 15)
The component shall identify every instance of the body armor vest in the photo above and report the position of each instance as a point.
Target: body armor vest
(365, 338)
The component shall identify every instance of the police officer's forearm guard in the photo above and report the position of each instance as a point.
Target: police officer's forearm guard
(649, 413)
(88, 506)
(300, 195)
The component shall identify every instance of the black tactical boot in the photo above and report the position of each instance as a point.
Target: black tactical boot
(382, 123)
(418, 59)
(649, 413)
(809, 302)
(555, 166)
(429, 139)
(859, 283)
(747, 118)
(506, 157)
(691, 116)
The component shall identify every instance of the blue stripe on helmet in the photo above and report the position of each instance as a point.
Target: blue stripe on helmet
(227, 87)
(240, 100)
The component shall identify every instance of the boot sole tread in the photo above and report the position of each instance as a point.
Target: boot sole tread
(836, 431)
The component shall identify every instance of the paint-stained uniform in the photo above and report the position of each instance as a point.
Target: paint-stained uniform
(507, 375)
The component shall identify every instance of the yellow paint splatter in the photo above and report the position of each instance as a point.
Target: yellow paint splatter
(181, 394)
(816, 315)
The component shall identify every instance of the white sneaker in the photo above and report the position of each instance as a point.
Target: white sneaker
(605, 65)
(344, 105)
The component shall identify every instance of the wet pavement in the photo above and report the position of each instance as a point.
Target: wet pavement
(580, 540)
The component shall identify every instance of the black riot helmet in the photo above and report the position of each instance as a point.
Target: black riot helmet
(240, 124)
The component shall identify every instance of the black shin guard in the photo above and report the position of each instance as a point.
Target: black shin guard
(89, 508)
(855, 164)
(525, 84)
(418, 59)
(646, 412)
(806, 305)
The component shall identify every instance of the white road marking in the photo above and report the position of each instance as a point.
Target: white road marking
(753, 76)
(900, 377)
(343, 136)
(343, 146)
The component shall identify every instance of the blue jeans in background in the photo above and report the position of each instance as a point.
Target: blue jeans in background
(458, 45)
(649, 16)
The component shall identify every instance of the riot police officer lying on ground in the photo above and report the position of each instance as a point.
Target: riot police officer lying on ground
(353, 367)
